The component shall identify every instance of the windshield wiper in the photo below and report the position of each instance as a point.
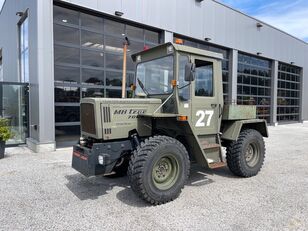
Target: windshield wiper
(142, 87)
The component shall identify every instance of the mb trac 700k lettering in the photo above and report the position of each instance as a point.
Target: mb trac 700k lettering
(177, 116)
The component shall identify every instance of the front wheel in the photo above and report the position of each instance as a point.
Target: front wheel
(245, 156)
(159, 169)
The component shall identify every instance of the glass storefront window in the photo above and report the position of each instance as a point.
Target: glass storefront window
(67, 94)
(92, 92)
(115, 79)
(92, 58)
(67, 75)
(93, 77)
(1, 66)
(65, 34)
(65, 16)
(14, 107)
(24, 50)
(67, 55)
(88, 51)
(114, 28)
(67, 114)
(288, 95)
(92, 40)
(254, 84)
(116, 93)
(91, 22)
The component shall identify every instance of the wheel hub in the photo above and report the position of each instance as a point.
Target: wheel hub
(162, 170)
(165, 172)
(252, 155)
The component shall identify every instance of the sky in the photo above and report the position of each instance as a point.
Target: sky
(1, 3)
(290, 16)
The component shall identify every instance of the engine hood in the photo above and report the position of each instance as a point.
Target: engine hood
(105, 118)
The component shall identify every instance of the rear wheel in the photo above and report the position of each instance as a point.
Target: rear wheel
(159, 169)
(245, 156)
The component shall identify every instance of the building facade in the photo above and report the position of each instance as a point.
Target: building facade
(67, 50)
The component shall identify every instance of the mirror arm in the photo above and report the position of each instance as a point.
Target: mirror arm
(184, 86)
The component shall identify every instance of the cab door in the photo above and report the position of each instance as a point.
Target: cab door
(206, 97)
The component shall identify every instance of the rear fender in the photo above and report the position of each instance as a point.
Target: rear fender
(232, 129)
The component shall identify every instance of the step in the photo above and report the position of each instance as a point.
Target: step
(217, 165)
(209, 146)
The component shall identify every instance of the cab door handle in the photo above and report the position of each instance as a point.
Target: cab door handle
(213, 105)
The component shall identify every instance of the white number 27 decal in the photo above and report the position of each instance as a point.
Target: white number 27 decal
(201, 121)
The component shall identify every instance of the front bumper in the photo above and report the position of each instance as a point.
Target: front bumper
(85, 160)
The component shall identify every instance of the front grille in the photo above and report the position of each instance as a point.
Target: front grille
(107, 116)
(107, 131)
(87, 118)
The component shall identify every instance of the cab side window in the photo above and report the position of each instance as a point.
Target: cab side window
(204, 78)
(184, 90)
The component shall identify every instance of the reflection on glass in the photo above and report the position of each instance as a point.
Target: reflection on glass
(113, 44)
(288, 100)
(135, 47)
(67, 94)
(204, 78)
(67, 74)
(184, 89)
(24, 50)
(64, 15)
(91, 22)
(67, 133)
(92, 58)
(134, 32)
(92, 40)
(92, 92)
(14, 108)
(156, 76)
(66, 114)
(115, 78)
(92, 77)
(117, 93)
(151, 36)
(114, 61)
(115, 28)
(66, 55)
(66, 34)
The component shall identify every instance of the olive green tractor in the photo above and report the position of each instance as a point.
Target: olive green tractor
(177, 116)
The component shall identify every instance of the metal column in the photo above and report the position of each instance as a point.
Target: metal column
(274, 88)
(233, 66)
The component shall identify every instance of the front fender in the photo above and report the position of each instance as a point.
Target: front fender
(231, 130)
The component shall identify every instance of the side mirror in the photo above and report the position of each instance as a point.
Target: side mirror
(189, 72)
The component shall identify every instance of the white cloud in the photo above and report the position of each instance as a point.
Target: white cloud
(289, 16)
(292, 21)
(1, 4)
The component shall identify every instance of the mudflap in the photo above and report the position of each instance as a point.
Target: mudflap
(86, 160)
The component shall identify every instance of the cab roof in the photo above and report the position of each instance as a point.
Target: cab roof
(182, 48)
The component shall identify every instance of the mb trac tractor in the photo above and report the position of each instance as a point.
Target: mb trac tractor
(177, 116)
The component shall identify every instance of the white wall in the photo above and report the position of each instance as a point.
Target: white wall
(40, 57)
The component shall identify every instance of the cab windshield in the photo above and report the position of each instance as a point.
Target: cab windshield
(155, 76)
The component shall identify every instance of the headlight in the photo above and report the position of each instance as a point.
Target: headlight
(101, 160)
(169, 49)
